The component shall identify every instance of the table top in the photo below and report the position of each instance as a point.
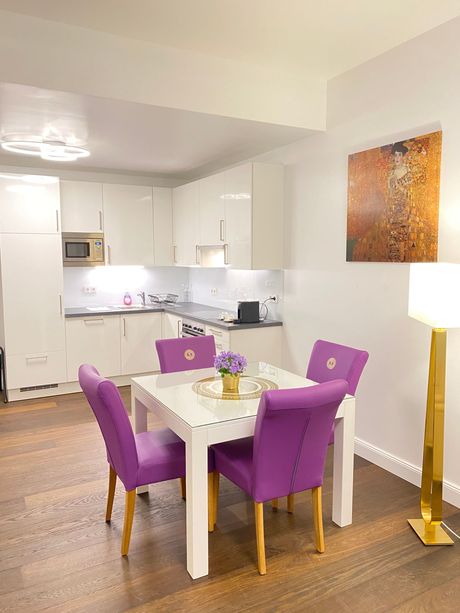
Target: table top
(174, 391)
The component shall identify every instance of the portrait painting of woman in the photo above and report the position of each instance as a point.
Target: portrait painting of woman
(393, 201)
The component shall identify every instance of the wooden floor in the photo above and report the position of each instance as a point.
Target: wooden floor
(57, 553)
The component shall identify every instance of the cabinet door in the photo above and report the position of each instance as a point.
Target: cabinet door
(212, 209)
(238, 216)
(186, 224)
(93, 340)
(29, 205)
(128, 224)
(139, 331)
(32, 283)
(81, 206)
(162, 226)
(172, 326)
(221, 338)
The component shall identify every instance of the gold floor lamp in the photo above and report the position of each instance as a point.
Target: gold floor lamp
(434, 299)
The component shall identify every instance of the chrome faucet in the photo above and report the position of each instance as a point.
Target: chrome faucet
(142, 297)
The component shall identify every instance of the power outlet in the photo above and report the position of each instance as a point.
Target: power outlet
(89, 289)
(273, 298)
(213, 291)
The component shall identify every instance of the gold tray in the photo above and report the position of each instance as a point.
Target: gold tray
(250, 387)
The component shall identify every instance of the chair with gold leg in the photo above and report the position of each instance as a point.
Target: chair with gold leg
(136, 459)
(287, 453)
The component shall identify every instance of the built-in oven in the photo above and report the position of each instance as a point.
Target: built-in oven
(192, 328)
(83, 249)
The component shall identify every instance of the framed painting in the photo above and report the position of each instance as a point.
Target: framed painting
(393, 201)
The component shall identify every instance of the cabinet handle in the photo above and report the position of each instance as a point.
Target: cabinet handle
(94, 320)
(101, 227)
(36, 358)
(60, 304)
(174, 254)
(226, 254)
(215, 332)
(197, 254)
(109, 255)
(124, 326)
(179, 328)
(222, 230)
(57, 220)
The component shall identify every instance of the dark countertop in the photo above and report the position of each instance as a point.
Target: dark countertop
(202, 313)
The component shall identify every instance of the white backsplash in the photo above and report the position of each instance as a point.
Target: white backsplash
(223, 287)
(111, 282)
(218, 287)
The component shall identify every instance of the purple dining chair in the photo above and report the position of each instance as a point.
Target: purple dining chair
(286, 454)
(137, 459)
(189, 353)
(330, 361)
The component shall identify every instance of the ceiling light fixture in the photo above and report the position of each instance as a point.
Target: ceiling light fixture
(52, 150)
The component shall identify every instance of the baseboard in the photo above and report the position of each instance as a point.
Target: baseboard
(402, 468)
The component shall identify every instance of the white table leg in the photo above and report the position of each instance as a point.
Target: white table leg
(139, 414)
(196, 463)
(344, 447)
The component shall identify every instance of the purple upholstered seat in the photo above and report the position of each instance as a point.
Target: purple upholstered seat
(190, 353)
(288, 451)
(137, 459)
(330, 361)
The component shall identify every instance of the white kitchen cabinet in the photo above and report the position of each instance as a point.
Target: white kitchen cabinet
(32, 313)
(212, 209)
(128, 224)
(81, 206)
(29, 204)
(221, 338)
(172, 326)
(93, 340)
(238, 217)
(261, 344)
(186, 216)
(162, 226)
(138, 335)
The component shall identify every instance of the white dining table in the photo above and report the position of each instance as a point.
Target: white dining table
(202, 421)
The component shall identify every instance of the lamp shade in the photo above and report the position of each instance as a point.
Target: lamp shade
(434, 294)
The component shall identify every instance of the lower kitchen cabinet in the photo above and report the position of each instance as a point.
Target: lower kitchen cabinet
(93, 340)
(256, 344)
(172, 326)
(138, 335)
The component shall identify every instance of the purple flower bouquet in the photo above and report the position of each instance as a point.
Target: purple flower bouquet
(230, 366)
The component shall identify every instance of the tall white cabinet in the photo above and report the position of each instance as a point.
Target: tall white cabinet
(32, 310)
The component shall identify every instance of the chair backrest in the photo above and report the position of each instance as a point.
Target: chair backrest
(188, 353)
(329, 361)
(291, 438)
(105, 400)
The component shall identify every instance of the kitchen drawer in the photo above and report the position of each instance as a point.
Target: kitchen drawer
(33, 369)
(221, 337)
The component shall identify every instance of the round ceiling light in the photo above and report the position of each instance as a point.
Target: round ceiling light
(52, 150)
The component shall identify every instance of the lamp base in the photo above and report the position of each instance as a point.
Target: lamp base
(430, 534)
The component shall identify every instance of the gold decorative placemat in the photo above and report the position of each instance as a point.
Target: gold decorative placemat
(250, 387)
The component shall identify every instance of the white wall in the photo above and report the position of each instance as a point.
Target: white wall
(410, 90)
(112, 282)
(223, 287)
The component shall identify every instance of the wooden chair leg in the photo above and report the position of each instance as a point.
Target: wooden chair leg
(259, 513)
(130, 501)
(290, 503)
(215, 495)
(182, 487)
(275, 503)
(317, 501)
(210, 502)
(111, 493)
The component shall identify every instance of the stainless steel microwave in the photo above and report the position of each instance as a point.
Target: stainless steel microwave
(82, 249)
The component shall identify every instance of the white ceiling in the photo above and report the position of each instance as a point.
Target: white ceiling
(126, 136)
(322, 38)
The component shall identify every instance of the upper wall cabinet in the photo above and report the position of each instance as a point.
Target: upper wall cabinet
(186, 238)
(212, 209)
(29, 205)
(162, 226)
(128, 224)
(240, 209)
(81, 206)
